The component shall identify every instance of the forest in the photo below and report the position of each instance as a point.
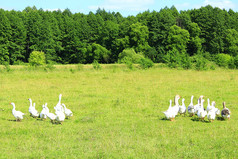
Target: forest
(177, 38)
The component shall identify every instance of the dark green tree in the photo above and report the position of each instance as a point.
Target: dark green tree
(5, 36)
(49, 36)
(231, 42)
(178, 38)
(212, 22)
(110, 35)
(70, 42)
(159, 25)
(4, 55)
(194, 45)
(17, 40)
(138, 37)
(96, 52)
(96, 24)
(33, 25)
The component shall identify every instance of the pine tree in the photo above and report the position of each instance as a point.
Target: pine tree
(18, 38)
(5, 36)
(33, 25)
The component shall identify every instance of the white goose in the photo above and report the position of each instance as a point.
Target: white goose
(51, 116)
(225, 113)
(170, 114)
(30, 107)
(191, 109)
(211, 115)
(43, 113)
(197, 106)
(201, 112)
(58, 106)
(46, 108)
(34, 112)
(176, 107)
(216, 109)
(60, 116)
(17, 114)
(182, 108)
(67, 111)
(209, 107)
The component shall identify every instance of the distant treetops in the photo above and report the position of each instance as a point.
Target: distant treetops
(197, 38)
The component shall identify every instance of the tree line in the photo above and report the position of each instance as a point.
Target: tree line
(167, 36)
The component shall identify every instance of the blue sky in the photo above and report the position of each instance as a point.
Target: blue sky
(125, 7)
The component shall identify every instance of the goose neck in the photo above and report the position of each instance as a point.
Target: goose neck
(224, 105)
(170, 105)
(13, 105)
(30, 102)
(202, 104)
(60, 96)
(176, 101)
(192, 99)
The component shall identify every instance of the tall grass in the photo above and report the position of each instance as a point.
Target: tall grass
(117, 113)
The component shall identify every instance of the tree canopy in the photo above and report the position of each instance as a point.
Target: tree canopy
(67, 37)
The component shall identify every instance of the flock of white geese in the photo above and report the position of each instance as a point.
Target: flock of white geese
(211, 112)
(61, 112)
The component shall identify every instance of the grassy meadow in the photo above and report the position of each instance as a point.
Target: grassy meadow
(117, 113)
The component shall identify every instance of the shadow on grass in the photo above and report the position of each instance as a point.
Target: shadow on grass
(14, 120)
(220, 118)
(177, 117)
(182, 115)
(52, 122)
(39, 119)
(197, 120)
(164, 118)
(206, 121)
(56, 123)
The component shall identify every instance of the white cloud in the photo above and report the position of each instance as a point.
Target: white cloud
(223, 4)
(130, 5)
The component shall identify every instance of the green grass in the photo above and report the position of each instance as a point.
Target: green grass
(117, 113)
